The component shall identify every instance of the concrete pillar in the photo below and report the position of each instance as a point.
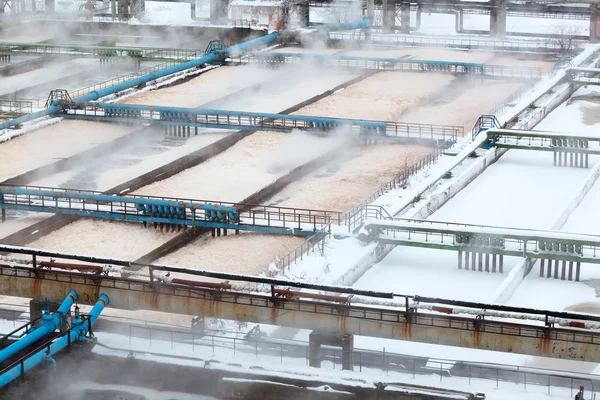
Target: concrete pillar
(137, 6)
(198, 325)
(218, 11)
(314, 351)
(303, 11)
(594, 23)
(345, 341)
(498, 18)
(405, 18)
(348, 352)
(49, 6)
(36, 309)
(123, 8)
(371, 15)
(389, 16)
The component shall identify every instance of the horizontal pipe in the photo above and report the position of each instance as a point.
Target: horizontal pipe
(76, 333)
(346, 26)
(49, 324)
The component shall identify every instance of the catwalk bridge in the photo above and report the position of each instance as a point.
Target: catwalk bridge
(479, 243)
(446, 322)
(101, 52)
(165, 212)
(176, 118)
(393, 64)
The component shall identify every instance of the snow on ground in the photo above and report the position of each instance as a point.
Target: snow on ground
(246, 359)
(579, 114)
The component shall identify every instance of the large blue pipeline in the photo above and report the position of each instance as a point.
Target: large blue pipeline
(215, 56)
(346, 26)
(50, 323)
(78, 332)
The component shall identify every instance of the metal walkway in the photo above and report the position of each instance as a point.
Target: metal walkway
(241, 120)
(459, 42)
(568, 149)
(481, 242)
(166, 212)
(102, 52)
(393, 64)
(464, 326)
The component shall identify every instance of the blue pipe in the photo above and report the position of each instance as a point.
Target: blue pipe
(346, 26)
(108, 198)
(96, 94)
(49, 324)
(77, 333)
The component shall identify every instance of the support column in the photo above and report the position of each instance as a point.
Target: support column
(314, 351)
(198, 325)
(371, 16)
(498, 18)
(594, 23)
(218, 11)
(404, 18)
(389, 16)
(348, 352)
(303, 14)
(123, 9)
(542, 261)
(460, 253)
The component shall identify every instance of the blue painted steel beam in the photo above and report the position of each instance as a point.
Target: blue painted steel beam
(207, 111)
(91, 196)
(116, 216)
(77, 333)
(342, 57)
(346, 26)
(50, 323)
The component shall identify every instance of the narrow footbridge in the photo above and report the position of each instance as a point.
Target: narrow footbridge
(478, 243)
(101, 52)
(241, 120)
(568, 149)
(167, 213)
(43, 275)
(393, 64)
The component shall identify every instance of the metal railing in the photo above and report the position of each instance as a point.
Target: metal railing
(92, 204)
(355, 216)
(297, 353)
(455, 42)
(144, 53)
(16, 106)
